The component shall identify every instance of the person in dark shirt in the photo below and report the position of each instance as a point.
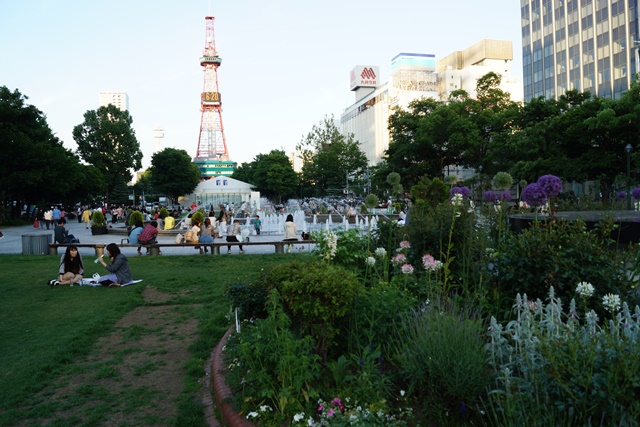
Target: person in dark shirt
(62, 235)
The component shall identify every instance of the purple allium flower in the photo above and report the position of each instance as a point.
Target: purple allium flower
(506, 196)
(621, 195)
(466, 193)
(636, 193)
(490, 196)
(534, 195)
(550, 184)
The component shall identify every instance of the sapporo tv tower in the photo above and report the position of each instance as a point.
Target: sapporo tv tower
(212, 157)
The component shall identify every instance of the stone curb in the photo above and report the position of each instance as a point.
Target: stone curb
(222, 391)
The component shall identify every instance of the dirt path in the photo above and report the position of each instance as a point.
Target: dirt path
(135, 375)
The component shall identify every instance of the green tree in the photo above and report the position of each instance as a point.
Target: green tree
(107, 141)
(173, 173)
(34, 165)
(245, 172)
(273, 175)
(329, 158)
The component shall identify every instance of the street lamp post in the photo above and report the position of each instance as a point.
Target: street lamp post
(627, 150)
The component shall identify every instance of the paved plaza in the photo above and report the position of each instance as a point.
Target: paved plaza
(12, 242)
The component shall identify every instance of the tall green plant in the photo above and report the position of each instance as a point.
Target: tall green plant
(276, 368)
(440, 355)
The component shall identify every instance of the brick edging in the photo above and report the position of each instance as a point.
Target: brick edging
(221, 389)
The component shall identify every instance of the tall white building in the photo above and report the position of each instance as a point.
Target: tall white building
(119, 99)
(462, 69)
(415, 76)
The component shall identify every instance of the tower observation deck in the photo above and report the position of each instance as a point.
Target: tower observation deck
(212, 156)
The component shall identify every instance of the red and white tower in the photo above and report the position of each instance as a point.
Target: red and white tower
(212, 156)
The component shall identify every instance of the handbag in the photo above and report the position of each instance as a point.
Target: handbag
(179, 238)
(35, 224)
(191, 237)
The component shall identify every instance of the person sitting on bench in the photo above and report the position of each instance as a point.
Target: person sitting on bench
(62, 235)
(149, 234)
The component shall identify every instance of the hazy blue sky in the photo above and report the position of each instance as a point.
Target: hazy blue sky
(285, 63)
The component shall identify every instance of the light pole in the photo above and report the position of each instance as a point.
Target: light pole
(627, 150)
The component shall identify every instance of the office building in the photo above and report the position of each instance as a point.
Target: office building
(583, 45)
(119, 99)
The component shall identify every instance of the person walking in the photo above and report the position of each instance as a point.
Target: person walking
(48, 218)
(257, 224)
(86, 217)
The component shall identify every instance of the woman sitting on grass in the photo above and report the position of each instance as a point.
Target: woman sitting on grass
(71, 268)
(118, 267)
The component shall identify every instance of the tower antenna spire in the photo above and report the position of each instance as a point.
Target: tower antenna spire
(212, 156)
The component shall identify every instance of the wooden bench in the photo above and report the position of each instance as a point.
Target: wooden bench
(99, 247)
(154, 248)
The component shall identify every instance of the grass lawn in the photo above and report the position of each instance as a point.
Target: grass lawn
(94, 356)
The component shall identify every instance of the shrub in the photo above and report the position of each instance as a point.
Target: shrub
(98, 219)
(163, 213)
(440, 354)
(199, 215)
(371, 201)
(134, 217)
(317, 296)
(249, 299)
(559, 254)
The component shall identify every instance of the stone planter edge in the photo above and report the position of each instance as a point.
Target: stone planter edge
(222, 391)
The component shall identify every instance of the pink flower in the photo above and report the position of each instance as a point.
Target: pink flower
(430, 263)
(330, 413)
(407, 269)
(336, 401)
(320, 408)
(405, 244)
(399, 259)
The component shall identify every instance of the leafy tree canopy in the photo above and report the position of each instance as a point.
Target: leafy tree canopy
(173, 173)
(329, 158)
(107, 141)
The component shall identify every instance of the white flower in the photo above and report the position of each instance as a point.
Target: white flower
(457, 199)
(402, 393)
(298, 417)
(371, 261)
(381, 252)
(611, 302)
(264, 408)
(585, 289)
(252, 415)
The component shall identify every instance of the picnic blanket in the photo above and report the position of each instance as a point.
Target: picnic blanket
(95, 283)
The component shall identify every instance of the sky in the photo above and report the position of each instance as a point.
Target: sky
(285, 63)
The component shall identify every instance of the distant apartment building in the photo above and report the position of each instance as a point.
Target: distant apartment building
(415, 76)
(583, 45)
(119, 99)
